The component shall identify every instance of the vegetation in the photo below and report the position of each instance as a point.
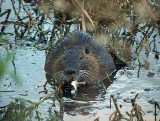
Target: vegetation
(26, 110)
(116, 23)
(5, 59)
(113, 22)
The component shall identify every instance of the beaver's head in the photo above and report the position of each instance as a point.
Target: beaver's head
(77, 66)
(73, 60)
(77, 60)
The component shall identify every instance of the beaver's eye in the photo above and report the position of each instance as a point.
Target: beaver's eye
(81, 57)
(86, 50)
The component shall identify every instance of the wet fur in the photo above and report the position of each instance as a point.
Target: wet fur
(92, 69)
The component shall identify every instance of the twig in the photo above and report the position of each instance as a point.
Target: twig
(14, 66)
(85, 12)
(8, 14)
(114, 101)
(50, 108)
(83, 20)
(8, 91)
(137, 109)
(140, 65)
(117, 114)
(14, 22)
(155, 111)
(42, 100)
(19, 18)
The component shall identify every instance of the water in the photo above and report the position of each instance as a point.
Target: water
(29, 63)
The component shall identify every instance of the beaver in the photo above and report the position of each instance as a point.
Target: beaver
(78, 60)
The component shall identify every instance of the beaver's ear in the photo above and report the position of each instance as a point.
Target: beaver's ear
(86, 50)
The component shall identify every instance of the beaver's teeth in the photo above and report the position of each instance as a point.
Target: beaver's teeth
(74, 84)
(73, 92)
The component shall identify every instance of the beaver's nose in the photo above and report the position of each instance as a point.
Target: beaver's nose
(70, 71)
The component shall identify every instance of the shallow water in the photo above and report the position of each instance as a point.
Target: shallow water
(29, 63)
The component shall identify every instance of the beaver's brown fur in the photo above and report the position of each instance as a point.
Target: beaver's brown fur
(78, 57)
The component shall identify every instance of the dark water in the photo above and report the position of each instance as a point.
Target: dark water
(29, 63)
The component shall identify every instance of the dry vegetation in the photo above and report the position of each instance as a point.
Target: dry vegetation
(113, 22)
(135, 114)
(118, 21)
